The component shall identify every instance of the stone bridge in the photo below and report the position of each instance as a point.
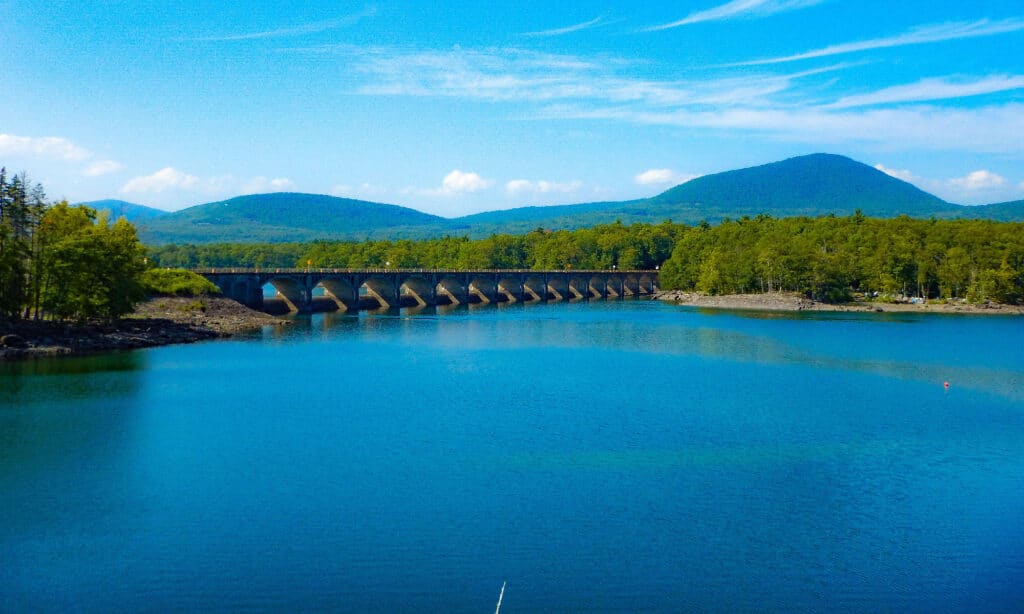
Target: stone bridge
(353, 289)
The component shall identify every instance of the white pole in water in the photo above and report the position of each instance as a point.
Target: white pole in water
(500, 595)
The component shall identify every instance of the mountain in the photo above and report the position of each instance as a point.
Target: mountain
(807, 185)
(812, 185)
(134, 213)
(282, 217)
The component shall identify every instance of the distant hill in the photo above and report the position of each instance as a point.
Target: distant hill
(281, 217)
(808, 185)
(134, 213)
(812, 185)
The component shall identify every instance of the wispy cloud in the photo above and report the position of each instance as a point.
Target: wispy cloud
(737, 8)
(979, 180)
(661, 176)
(170, 179)
(299, 30)
(566, 30)
(795, 106)
(520, 187)
(918, 36)
(102, 167)
(45, 147)
(933, 89)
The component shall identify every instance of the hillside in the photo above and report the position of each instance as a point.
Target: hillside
(283, 216)
(813, 185)
(133, 212)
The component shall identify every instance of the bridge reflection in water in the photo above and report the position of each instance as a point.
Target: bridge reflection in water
(354, 289)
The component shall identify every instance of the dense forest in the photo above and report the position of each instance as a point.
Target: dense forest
(826, 258)
(63, 262)
(829, 258)
(638, 246)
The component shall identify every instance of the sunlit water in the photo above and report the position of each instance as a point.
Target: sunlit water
(605, 456)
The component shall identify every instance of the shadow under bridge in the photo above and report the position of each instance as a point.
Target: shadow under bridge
(308, 290)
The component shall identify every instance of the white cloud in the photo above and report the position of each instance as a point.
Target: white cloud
(905, 175)
(167, 178)
(738, 8)
(309, 28)
(933, 89)
(565, 30)
(518, 187)
(102, 167)
(921, 35)
(260, 185)
(979, 180)
(171, 179)
(45, 147)
(458, 182)
(661, 176)
(364, 190)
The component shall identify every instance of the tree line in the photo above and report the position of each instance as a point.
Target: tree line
(830, 258)
(64, 262)
(637, 246)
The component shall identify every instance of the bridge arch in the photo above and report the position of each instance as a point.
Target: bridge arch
(415, 289)
(510, 287)
(535, 288)
(451, 289)
(379, 289)
(558, 287)
(339, 290)
(292, 291)
(484, 288)
(613, 286)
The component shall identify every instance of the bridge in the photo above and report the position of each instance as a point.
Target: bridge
(306, 290)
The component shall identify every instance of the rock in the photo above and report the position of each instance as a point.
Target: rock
(13, 341)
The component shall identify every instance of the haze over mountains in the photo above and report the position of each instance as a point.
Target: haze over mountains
(817, 184)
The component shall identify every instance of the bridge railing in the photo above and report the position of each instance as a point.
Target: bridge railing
(390, 270)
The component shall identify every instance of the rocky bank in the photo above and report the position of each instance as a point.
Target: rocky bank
(159, 321)
(779, 301)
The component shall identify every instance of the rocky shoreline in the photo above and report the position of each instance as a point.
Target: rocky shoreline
(159, 321)
(778, 301)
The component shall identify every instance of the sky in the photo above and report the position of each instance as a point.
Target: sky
(459, 107)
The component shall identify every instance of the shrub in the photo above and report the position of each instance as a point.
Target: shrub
(176, 282)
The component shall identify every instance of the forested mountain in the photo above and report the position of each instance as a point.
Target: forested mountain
(813, 185)
(132, 212)
(285, 216)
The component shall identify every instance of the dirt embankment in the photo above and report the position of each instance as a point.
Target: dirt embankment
(777, 301)
(159, 321)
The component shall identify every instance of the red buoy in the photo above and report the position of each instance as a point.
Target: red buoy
(945, 385)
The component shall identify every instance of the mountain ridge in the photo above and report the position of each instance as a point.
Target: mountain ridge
(810, 185)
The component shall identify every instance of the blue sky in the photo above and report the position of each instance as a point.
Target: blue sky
(459, 107)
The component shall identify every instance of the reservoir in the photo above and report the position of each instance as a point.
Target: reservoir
(600, 456)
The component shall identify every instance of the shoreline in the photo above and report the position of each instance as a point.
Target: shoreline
(157, 322)
(786, 301)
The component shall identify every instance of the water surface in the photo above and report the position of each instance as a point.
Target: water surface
(603, 456)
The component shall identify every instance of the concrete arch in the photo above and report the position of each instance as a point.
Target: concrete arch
(598, 286)
(579, 287)
(293, 292)
(613, 286)
(511, 288)
(379, 290)
(341, 292)
(647, 285)
(484, 289)
(630, 285)
(558, 287)
(415, 290)
(451, 290)
(535, 288)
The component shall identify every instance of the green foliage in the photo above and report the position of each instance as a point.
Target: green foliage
(176, 282)
(829, 258)
(640, 246)
(61, 261)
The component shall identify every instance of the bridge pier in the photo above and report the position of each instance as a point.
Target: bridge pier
(349, 289)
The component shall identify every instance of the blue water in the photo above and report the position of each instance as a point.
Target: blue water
(599, 457)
